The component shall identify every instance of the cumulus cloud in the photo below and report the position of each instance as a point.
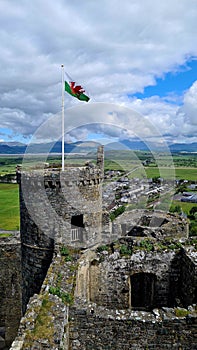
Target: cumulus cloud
(115, 121)
(189, 108)
(114, 49)
(186, 121)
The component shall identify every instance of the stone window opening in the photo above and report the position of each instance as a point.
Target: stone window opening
(142, 291)
(77, 226)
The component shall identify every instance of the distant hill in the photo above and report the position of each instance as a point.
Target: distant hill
(135, 145)
(12, 143)
(183, 147)
(150, 146)
(10, 149)
(91, 146)
(77, 147)
(127, 144)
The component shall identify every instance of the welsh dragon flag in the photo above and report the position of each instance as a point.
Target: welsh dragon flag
(76, 91)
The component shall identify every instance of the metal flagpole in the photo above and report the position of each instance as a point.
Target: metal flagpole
(62, 117)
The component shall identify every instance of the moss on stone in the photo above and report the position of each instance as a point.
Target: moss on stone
(43, 326)
(124, 250)
(181, 312)
(102, 248)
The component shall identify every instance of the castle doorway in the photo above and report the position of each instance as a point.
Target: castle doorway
(142, 290)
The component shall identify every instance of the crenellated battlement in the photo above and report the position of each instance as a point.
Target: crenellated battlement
(79, 176)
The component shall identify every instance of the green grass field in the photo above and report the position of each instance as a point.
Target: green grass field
(186, 173)
(184, 205)
(167, 173)
(179, 172)
(9, 207)
(8, 164)
(129, 161)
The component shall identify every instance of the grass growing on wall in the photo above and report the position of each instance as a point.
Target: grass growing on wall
(9, 207)
(43, 326)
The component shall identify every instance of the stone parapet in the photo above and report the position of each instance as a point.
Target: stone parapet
(45, 324)
(100, 328)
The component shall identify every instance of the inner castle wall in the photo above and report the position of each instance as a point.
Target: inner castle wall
(138, 279)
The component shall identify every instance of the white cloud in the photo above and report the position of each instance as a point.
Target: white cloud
(113, 48)
(115, 121)
(186, 117)
(189, 108)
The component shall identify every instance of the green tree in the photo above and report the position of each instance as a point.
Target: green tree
(175, 209)
(193, 210)
(193, 228)
(117, 212)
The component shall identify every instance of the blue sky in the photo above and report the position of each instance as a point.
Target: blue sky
(118, 53)
(173, 83)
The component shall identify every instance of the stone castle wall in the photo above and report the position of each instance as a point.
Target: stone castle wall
(139, 279)
(95, 328)
(45, 324)
(49, 200)
(77, 323)
(143, 223)
(10, 289)
(57, 208)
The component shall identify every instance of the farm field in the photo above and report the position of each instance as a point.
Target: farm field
(9, 207)
(167, 173)
(185, 206)
(8, 164)
(186, 173)
(185, 167)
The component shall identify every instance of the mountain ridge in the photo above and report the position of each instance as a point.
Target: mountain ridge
(86, 146)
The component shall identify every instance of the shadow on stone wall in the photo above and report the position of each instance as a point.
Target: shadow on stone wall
(182, 290)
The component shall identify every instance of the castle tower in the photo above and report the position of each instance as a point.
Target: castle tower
(57, 208)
